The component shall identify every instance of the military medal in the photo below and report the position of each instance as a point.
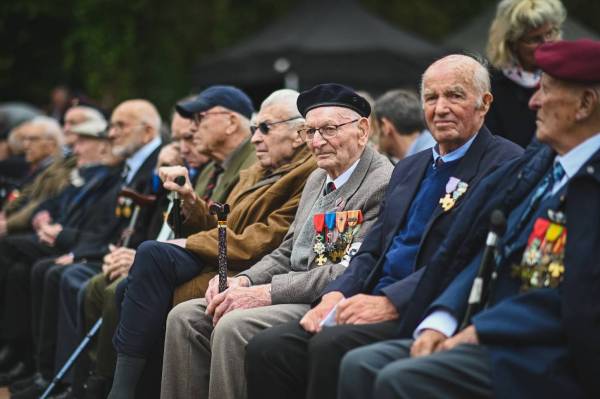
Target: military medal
(319, 223)
(454, 190)
(330, 224)
(542, 264)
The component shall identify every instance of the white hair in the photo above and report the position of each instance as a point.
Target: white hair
(285, 99)
(51, 128)
(480, 77)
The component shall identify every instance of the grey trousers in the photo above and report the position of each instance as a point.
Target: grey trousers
(201, 362)
(386, 370)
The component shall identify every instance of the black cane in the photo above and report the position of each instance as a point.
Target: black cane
(481, 284)
(180, 180)
(221, 210)
(59, 376)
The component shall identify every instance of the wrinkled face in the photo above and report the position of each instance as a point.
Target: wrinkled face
(450, 105)
(37, 144)
(278, 145)
(210, 131)
(338, 153)
(89, 150)
(182, 133)
(126, 131)
(525, 47)
(556, 106)
(73, 116)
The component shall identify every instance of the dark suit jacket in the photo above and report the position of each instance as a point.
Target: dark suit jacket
(486, 153)
(94, 244)
(544, 342)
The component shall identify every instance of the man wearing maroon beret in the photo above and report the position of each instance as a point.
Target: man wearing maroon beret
(537, 334)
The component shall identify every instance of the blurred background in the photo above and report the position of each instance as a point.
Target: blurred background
(107, 51)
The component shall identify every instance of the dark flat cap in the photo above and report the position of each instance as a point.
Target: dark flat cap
(229, 97)
(332, 95)
(574, 61)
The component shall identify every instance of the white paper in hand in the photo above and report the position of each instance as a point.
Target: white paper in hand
(329, 320)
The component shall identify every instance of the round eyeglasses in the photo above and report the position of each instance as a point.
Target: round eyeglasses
(326, 132)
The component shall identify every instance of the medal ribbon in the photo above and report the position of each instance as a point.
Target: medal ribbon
(319, 222)
(340, 221)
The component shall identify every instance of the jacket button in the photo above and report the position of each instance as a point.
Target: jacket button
(590, 170)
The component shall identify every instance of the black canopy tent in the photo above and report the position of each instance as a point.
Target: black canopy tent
(321, 41)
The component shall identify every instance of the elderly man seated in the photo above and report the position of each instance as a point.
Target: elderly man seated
(338, 206)
(426, 192)
(535, 333)
(262, 204)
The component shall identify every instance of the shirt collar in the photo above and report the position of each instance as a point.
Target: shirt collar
(135, 161)
(454, 155)
(573, 160)
(343, 178)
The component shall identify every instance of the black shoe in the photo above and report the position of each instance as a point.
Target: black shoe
(8, 357)
(96, 387)
(33, 391)
(18, 371)
(65, 394)
(24, 382)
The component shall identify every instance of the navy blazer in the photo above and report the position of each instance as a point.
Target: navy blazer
(486, 153)
(545, 342)
(94, 244)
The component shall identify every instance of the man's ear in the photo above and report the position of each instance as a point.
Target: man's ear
(588, 103)
(486, 101)
(386, 127)
(233, 123)
(364, 128)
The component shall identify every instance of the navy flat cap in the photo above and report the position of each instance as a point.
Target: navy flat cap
(229, 97)
(332, 95)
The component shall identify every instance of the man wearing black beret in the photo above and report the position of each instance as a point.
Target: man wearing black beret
(537, 333)
(364, 304)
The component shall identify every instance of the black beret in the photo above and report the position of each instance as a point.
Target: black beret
(332, 95)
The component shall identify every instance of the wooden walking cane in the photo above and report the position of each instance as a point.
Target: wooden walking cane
(140, 201)
(221, 210)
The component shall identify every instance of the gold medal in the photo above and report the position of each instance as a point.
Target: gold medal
(127, 212)
(447, 202)
(321, 260)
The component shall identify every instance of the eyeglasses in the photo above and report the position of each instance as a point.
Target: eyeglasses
(542, 38)
(198, 116)
(326, 132)
(264, 127)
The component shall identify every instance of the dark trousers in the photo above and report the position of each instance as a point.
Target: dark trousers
(287, 362)
(386, 371)
(70, 305)
(158, 268)
(18, 253)
(45, 280)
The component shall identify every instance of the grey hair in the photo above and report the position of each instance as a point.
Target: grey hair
(465, 64)
(402, 108)
(513, 19)
(51, 128)
(285, 99)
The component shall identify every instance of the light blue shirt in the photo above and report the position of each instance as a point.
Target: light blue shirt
(134, 162)
(443, 321)
(423, 142)
(343, 178)
(454, 155)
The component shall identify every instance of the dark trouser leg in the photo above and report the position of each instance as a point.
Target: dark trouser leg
(69, 321)
(49, 316)
(305, 365)
(327, 348)
(276, 362)
(158, 268)
(38, 275)
(463, 372)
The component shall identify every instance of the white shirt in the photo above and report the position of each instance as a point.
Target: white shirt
(134, 162)
(442, 320)
(343, 178)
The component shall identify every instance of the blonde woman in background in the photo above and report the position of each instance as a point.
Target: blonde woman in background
(519, 28)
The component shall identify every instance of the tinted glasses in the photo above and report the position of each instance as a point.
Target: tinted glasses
(264, 127)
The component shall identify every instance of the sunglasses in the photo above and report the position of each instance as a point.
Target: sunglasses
(264, 127)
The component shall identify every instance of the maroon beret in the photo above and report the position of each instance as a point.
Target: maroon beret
(574, 61)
